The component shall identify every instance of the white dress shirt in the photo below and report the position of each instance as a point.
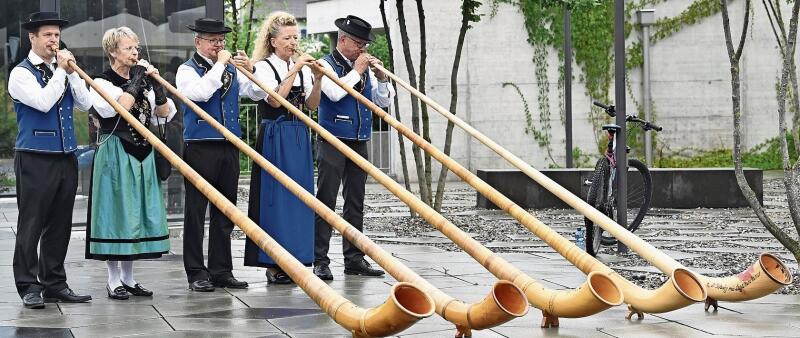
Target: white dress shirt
(201, 89)
(23, 87)
(267, 76)
(105, 110)
(382, 92)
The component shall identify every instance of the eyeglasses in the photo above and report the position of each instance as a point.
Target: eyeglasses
(359, 43)
(130, 49)
(213, 41)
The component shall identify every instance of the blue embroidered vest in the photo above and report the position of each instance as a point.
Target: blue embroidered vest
(45, 132)
(346, 118)
(222, 106)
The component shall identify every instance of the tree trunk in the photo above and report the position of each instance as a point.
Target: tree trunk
(790, 173)
(249, 24)
(734, 56)
(423, 61)
(235, 23)
(787, 48)
(448, 139)
(400, 141)
(425, 194)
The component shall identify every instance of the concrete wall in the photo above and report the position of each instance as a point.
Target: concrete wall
(322, 14)
(690, 81)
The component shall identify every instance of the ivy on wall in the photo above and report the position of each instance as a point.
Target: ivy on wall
(593, 39)
(541, 135)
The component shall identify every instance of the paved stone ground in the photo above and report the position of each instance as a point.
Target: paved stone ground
(285, 311)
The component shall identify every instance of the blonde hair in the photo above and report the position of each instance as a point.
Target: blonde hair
(269, 30)
(111, 39)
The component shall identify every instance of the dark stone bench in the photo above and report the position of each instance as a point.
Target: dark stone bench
(672, 187)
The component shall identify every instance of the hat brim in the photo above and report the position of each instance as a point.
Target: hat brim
(194, 28)
(340, 24)
(35, 24)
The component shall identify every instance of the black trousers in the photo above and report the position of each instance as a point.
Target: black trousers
(46, 186)
(335, 169)
(218, 163)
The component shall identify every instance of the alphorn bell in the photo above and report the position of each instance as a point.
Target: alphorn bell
(406, 305)
(598, 294)
(504, 303)
(767, 274)
(682, 289)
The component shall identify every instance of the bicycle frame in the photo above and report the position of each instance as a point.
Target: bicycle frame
(611, 156)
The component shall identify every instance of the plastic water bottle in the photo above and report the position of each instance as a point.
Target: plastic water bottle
(580, 238)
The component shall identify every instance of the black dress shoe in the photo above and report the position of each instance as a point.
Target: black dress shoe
(362, 268)
(118, 293)
(230, 283)
(33, 300)
(138, 290)
(201, 286)
(278, 277)
(65, 296)
(323, 272)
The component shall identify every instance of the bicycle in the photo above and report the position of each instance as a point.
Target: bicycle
(602, 193)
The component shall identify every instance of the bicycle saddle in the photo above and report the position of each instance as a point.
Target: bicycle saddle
(613, 127)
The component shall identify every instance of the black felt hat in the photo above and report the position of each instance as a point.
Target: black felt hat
(355, 26)
(208, 25)
(38, 19)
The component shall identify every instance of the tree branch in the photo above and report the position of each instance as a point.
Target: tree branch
(744, 30)
(403, 164)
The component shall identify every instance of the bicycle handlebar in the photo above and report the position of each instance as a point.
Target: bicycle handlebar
(646, 125)
(650, 126)
(608, 108)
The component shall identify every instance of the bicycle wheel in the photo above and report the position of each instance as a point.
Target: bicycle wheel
(640, 191)
(596, 197)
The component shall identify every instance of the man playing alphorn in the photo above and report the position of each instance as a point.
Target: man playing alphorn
(209, 81)
(45, 88)
(351, 122)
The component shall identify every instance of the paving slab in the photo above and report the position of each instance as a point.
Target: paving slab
(209, 334)
(238, 324)
(123, 328)
(34, 332)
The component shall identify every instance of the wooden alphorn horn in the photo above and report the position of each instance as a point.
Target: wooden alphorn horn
(767, 274)
(598, 294)
(406, 305)
(504, 303)
(682, 289)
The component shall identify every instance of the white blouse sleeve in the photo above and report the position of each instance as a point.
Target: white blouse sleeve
(103, 108)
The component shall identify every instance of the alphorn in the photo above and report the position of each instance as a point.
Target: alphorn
(682, 289)
(406, 304)
(504, 303)
(767, 274)
(597, 294)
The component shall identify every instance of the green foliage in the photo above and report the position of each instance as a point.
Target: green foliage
(582, 159)
(469, 10)
(316, 47)
(593, 38)
(666, 27)
(765, 156)
(8, 120)
(7, 181)
(379, 48)
(244, 30)
(542, 134)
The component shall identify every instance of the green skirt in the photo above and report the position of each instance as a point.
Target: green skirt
(127, 219)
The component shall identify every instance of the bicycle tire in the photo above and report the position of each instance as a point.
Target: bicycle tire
(640, 193)
(596, 198)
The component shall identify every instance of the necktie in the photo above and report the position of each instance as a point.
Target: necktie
(48, 74)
